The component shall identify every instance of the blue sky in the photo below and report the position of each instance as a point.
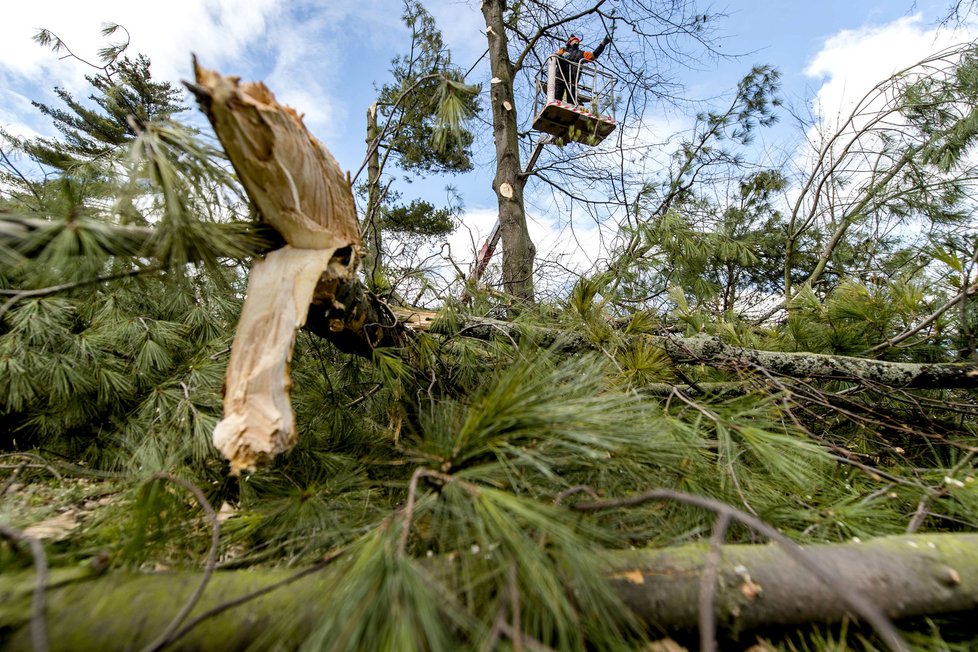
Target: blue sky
(325, 57)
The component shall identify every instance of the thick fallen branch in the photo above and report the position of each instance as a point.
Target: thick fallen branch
(758, 585)
(764, 585)
(712, 352)
(715, 353)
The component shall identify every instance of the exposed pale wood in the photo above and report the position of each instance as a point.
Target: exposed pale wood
(301, 192)
(291, 177)
(258, 419)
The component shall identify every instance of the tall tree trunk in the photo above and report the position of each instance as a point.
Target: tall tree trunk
(518, 250)
(371, 222)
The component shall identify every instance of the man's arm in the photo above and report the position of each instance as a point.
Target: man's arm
(598, 50)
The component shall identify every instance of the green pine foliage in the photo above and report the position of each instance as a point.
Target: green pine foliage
(443, 474)
(118, 296)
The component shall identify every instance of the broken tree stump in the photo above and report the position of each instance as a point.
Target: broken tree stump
(300, 191)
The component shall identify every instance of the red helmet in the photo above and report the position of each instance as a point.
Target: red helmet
(572, 39)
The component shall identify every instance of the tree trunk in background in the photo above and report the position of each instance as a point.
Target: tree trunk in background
(371, 223)
(518, 249)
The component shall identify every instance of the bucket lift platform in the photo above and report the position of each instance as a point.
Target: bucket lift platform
(569, 122)
(584, 112)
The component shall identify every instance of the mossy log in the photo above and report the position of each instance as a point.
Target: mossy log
(713, 352)
(758, 585)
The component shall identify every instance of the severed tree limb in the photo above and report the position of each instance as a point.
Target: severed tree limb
(903, 576)
(300, 191)
(713, 352)
(294, 181)
(758, 586)
(703, 349)
(258, 419)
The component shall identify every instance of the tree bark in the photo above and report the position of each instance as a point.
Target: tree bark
(715, 353)
(763, 585)
(300, 192)
(518, 249)
(757, 586)
(371, 221)
(711, 351)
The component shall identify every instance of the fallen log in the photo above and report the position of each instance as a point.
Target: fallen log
(713, 352)
(757, 586)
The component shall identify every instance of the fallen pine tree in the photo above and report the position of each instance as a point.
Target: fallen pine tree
(445, 483)
(300, 192)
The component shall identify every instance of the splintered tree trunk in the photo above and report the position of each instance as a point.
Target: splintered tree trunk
(518, 249)
(301, 192)
(757, 586)
(258, 419)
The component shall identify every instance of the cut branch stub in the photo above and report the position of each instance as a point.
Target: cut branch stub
(301, 192)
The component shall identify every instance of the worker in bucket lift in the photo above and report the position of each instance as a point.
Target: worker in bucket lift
(569, 60)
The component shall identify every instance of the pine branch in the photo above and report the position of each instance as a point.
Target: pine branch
(17, 295)
(927, 321)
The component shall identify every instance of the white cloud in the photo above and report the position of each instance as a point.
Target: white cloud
(851, 62)
(466, 241)
(303, 49)
(461, 25)
(218, 29)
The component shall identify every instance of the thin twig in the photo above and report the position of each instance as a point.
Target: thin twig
(730, 462)
(855, 600)
(530, 642)
(408, 510)
(514, 606)
(921, 513)
(41, 463)
(30, 185)
(490, 641)
(930, 319)
(248, 597)
(708, 585)
(17, 295)
(370, 392)
(13, 476)
(567, 493)
(39, 636)
(167, 636)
